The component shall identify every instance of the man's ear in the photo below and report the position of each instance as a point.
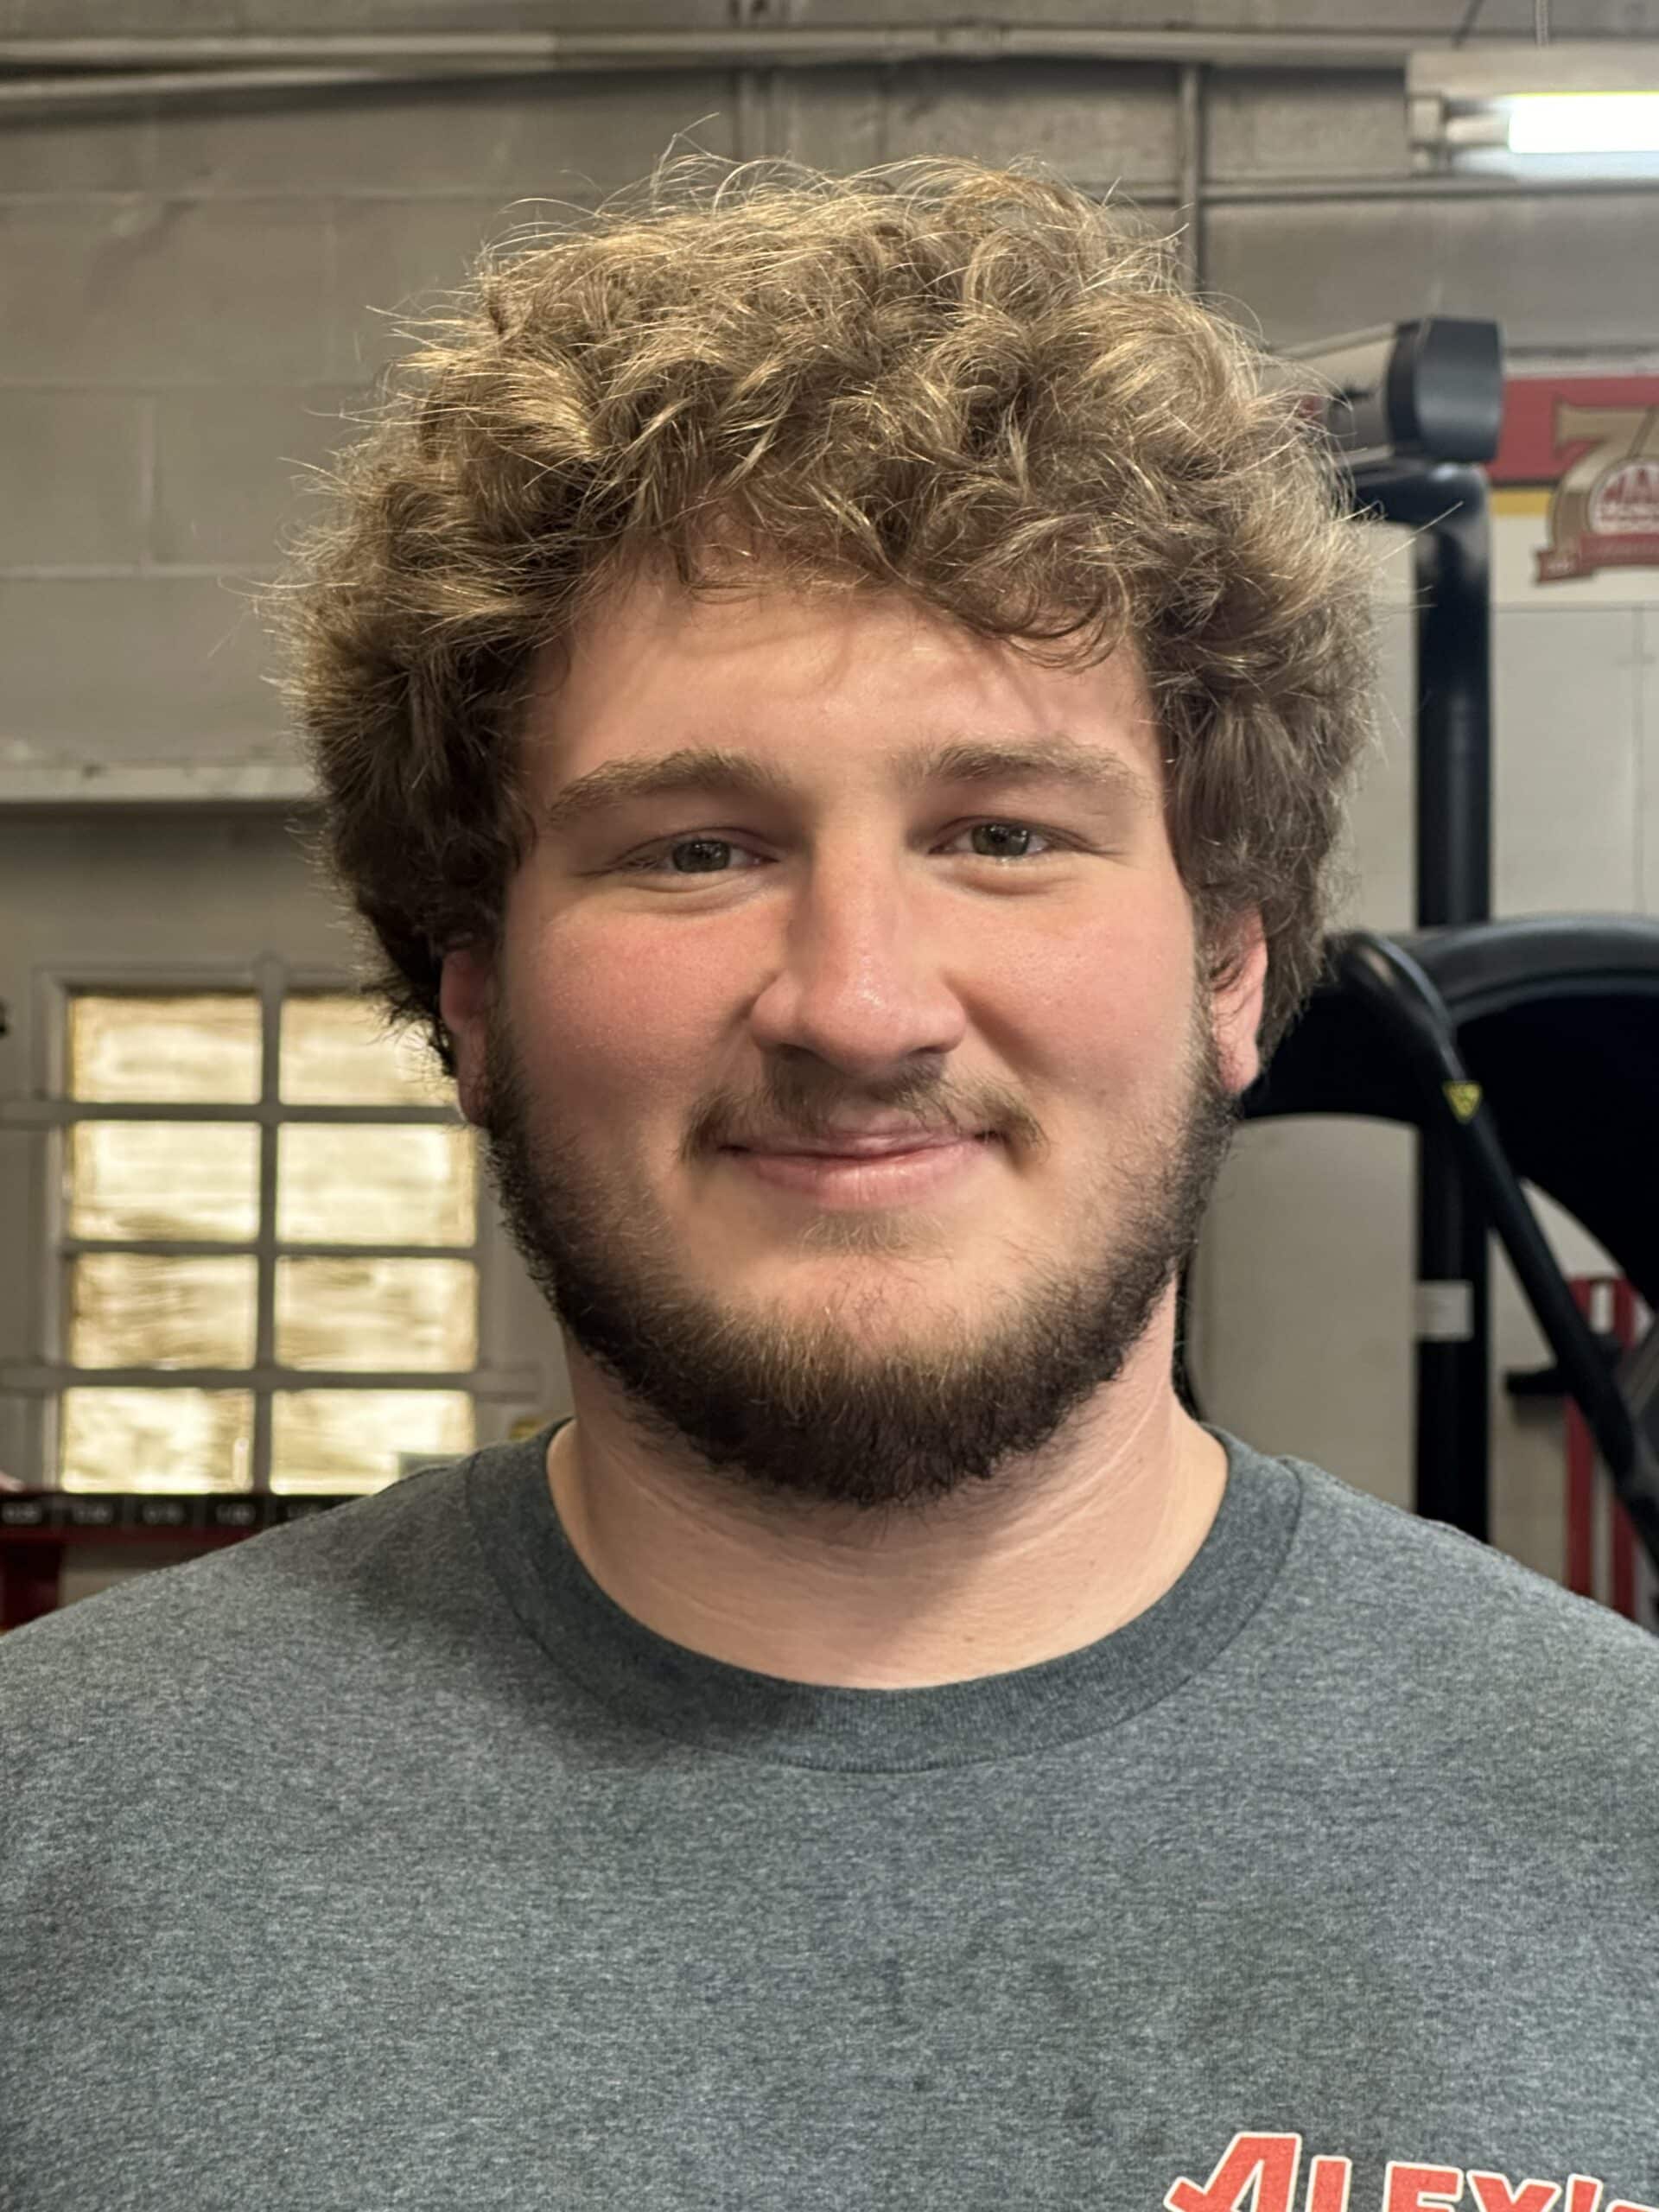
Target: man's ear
(466, 992)
(1240, 958)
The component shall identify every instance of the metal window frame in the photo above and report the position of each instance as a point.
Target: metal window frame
(273, 980)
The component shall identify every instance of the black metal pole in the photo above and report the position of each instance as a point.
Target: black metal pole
(1448, 506)
(1455, 729)
(1454, 884)
(1454, 1320)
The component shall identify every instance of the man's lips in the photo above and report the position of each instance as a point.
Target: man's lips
(862, 1147)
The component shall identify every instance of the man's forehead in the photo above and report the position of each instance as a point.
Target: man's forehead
(812, 635)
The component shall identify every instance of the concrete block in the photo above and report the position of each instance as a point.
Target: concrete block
(392, 260)
(77, 153)
(1564, 697)
(833, 118)
(166, 292)
(1555, 271)
(575, 137)
(141, 669)
(1090, 122)
(72, 463)
(1262, 124)
(230, 468)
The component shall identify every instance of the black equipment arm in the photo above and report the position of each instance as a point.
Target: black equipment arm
(1384, 977)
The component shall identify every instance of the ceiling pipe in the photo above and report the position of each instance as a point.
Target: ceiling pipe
(783, 46)
(28, 96)
(48, 95)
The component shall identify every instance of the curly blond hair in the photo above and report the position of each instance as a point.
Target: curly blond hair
(977, 386)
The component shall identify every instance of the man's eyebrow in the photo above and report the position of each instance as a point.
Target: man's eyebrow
(1105, 777)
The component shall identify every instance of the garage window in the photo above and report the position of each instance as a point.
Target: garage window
(267, 1244)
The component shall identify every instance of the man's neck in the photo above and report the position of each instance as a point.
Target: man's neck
(951, 1600)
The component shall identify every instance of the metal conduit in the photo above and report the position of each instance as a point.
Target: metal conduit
(1189, 191)
(31, 95)
(783, 46)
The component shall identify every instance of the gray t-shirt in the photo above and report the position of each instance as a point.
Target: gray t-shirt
(383, 1861)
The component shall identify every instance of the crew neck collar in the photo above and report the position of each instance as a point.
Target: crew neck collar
(644, 1678)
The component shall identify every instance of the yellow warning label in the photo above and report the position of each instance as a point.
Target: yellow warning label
(1464, 1099)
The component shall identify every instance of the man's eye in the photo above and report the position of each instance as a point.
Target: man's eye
(655, 859)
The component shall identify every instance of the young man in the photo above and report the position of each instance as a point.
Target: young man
(834, 700)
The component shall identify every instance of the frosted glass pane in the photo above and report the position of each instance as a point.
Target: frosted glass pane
(337, 1051)
(366, 1185)
(385, 1313)
(155, 1441)
(194, 1046)
(130, 1310)
(328, 1442)
(144, 1179)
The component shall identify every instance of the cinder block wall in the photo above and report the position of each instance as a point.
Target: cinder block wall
(196, 298)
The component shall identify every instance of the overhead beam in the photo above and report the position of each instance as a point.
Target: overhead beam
(789, 46)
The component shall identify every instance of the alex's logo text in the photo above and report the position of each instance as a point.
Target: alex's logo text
(1259, 2173)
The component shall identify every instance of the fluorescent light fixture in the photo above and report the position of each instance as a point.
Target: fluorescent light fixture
(1585, 122)
(1579, 109)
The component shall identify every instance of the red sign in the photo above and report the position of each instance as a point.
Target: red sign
(1595, 440)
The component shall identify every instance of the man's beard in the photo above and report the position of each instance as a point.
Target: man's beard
(843, 1403)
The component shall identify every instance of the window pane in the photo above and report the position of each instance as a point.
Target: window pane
(340, 1441)
(369, 1186)
(128, 1310)
(385, 1313)
(155, 1441)
(162, 1179)
(196, 1046)
(336, 1052)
